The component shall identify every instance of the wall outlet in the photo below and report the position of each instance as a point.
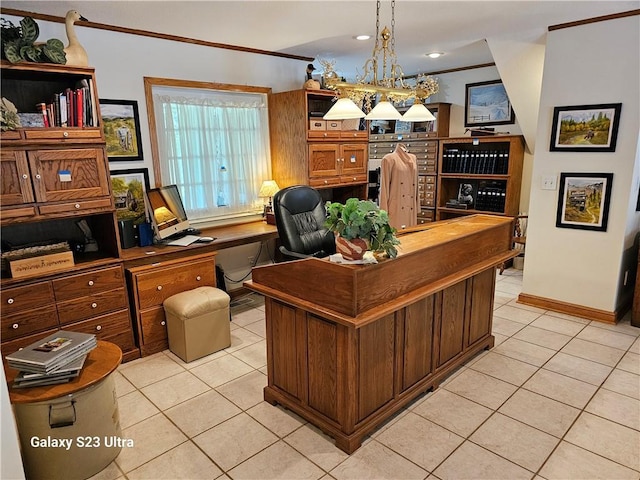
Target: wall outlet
(549, 182)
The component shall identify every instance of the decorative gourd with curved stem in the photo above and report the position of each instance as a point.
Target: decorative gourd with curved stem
(76, 54)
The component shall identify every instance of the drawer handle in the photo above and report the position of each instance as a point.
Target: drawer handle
(163, 323)
(99, 327)
(90, 283)
(355, 134)
(159, 287)
(25, 176)
(94, 305)
(326, 182)
(354, 178)
(15, 326)
(198, 278)
(38, 176)
(65, 134)
(324, 134)
(10, 301)
(77, 205)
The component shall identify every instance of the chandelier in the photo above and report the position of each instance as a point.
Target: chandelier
(388, 84)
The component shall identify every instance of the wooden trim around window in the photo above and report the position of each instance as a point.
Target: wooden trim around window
(150, 82)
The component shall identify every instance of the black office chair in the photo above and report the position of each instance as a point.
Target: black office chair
(300, 215)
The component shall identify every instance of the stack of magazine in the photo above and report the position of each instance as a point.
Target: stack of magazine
(55, 359)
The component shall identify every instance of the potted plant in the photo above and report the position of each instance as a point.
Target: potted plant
(360, 225)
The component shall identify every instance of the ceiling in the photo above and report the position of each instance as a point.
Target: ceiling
(325, 29)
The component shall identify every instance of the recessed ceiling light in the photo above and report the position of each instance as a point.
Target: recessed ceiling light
(434, 54)
(363, 37)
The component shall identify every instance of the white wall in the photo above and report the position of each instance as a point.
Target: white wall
(10, 461)
(588, 64)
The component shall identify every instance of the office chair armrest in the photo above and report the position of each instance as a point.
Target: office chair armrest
(289, 253)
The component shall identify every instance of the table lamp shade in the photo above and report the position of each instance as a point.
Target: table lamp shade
(268, 188)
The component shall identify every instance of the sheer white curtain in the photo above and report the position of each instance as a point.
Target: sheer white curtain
(214, 145)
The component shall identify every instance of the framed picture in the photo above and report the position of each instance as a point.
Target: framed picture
(129, 187)
(487, 103)
(121, 124)
(584, 201)
(585, 128)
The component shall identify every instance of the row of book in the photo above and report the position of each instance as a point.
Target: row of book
(491, 198)
(71, 108)
(491, 162)
(55, 359)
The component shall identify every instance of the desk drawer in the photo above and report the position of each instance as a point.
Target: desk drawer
(154, 325)
(26, 298)
(28, 322)
(15, 345)
(78, 206)
(159, 284)
(92, 305)
(88, 283)
(113, 327)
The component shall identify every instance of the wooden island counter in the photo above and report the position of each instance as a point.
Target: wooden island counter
(349, 345)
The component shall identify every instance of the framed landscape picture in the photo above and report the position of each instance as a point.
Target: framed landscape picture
(584, 200)
(129, 187)
(585, 128)
(487, 103)
(121, 124)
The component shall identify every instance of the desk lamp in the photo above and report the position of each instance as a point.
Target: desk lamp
(268, 189)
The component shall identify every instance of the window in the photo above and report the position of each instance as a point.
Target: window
(213, 143)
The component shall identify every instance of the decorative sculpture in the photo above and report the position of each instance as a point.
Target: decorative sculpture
(76, 54)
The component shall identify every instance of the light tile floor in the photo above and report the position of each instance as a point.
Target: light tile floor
(558, 397)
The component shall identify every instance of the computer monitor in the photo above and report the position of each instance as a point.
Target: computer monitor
(168, 216)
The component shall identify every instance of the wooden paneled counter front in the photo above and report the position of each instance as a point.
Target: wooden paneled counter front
(349, 345)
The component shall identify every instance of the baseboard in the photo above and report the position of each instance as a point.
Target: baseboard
(570, 308)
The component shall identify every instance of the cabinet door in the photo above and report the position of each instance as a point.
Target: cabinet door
(353, 158)
(70, 174)
(323, 159)
(14, 178)
(451, 332)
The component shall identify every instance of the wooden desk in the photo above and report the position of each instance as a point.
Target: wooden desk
(82, 413)
(225, 237)
(349, 345)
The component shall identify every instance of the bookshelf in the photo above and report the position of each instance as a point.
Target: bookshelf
(55, 179)
(479, 175)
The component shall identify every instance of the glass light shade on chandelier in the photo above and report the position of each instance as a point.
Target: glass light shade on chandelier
(418, 113)
(384, 110)
(344, 109)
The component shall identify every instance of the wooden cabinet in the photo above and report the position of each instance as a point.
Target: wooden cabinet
(52, 178)
(150, 285)
(420, 139)
(306, 150)
(16, 184)
(480, 175)
(92, 301)
(333, 164)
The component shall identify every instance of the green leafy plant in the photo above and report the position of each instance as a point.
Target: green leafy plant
(18, 43)
(363, 219)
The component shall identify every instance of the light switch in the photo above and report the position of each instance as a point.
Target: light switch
(549, 182)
